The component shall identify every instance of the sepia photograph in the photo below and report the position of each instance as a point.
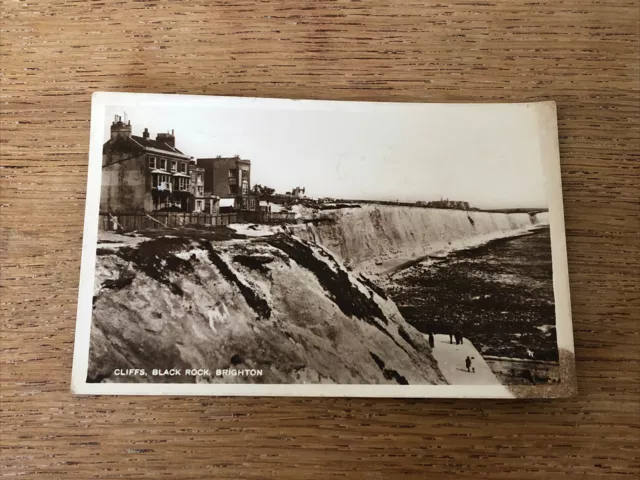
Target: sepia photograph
(242, 246)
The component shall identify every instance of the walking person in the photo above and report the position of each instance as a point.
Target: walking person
(432, 342)
(467, 362)
(450, 337)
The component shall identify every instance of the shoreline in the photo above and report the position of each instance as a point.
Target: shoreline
(500, 301)
(454, 248)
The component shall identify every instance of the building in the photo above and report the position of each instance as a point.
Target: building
(197, 188)
(228, 178)
(140, 174)
(203, 202)
(298, 192)
(446, 203)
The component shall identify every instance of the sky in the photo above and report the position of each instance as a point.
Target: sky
(488, 155)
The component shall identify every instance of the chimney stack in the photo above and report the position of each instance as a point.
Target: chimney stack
(119, 128)
(168, 138)
(145, 134)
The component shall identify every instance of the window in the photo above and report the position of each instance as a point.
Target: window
(152, 162)
(183, 183)
(163, 164)
(199, 178)
(245, 187)
(161, 182)
(183, 167)
(174, 166)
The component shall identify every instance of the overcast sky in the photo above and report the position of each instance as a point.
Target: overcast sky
(486, 155)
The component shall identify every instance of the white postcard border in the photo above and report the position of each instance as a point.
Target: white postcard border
(79, 385)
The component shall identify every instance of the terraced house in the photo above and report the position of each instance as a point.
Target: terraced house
(141, 174)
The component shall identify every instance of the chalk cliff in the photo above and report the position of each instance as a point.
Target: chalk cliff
(275, 303)
(379, 238)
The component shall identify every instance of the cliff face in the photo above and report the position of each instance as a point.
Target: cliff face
(378, 238)
(275, 303)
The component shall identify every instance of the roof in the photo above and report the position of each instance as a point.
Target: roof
(156, 144)
(223, 159)
(139, 145)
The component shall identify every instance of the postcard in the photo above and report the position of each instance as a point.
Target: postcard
(272, 247)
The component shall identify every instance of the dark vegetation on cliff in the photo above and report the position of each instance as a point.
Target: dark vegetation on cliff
(275, 302)
(380, 291)
(155, 260)
(254, 262)
(337, 283)
(388, 373)
(335, 279)
(255, 301)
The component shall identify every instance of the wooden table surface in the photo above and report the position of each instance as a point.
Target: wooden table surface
(583, 54)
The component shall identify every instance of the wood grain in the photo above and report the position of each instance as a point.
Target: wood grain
(583, 54)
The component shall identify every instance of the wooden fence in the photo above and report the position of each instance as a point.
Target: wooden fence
(129, 222)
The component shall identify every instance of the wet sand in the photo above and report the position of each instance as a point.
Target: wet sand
(500, 295)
